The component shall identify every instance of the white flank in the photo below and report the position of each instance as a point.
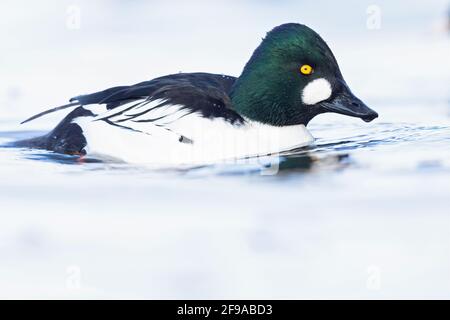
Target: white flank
(158, 142)
(316, 91)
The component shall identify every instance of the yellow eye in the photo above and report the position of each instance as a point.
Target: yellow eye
(306, 69)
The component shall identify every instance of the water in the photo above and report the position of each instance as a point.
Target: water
(363, 214)
(370, 201)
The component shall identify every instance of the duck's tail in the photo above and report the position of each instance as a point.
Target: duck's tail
(67, 137)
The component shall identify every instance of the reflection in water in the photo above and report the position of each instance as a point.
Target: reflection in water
(326, 153)
(297, 160)
(310, 161)
(61, 158)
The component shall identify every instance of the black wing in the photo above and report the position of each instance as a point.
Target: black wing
(205, 93)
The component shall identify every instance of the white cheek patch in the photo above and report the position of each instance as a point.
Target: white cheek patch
(316, 91)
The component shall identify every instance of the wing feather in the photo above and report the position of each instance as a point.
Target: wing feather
(154, 107)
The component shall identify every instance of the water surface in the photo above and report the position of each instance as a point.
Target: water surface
(364, 213)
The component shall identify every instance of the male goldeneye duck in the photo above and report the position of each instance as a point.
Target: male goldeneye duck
(191, 118)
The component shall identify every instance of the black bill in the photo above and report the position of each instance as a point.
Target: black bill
(346, 103)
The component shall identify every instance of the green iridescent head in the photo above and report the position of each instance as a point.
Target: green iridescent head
(292, 77)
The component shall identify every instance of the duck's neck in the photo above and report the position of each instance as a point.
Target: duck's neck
(272, 106)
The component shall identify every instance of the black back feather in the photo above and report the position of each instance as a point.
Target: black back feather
(205, 93)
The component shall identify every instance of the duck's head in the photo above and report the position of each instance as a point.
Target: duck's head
(292, 77)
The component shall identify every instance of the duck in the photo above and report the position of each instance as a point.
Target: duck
(199, 118)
